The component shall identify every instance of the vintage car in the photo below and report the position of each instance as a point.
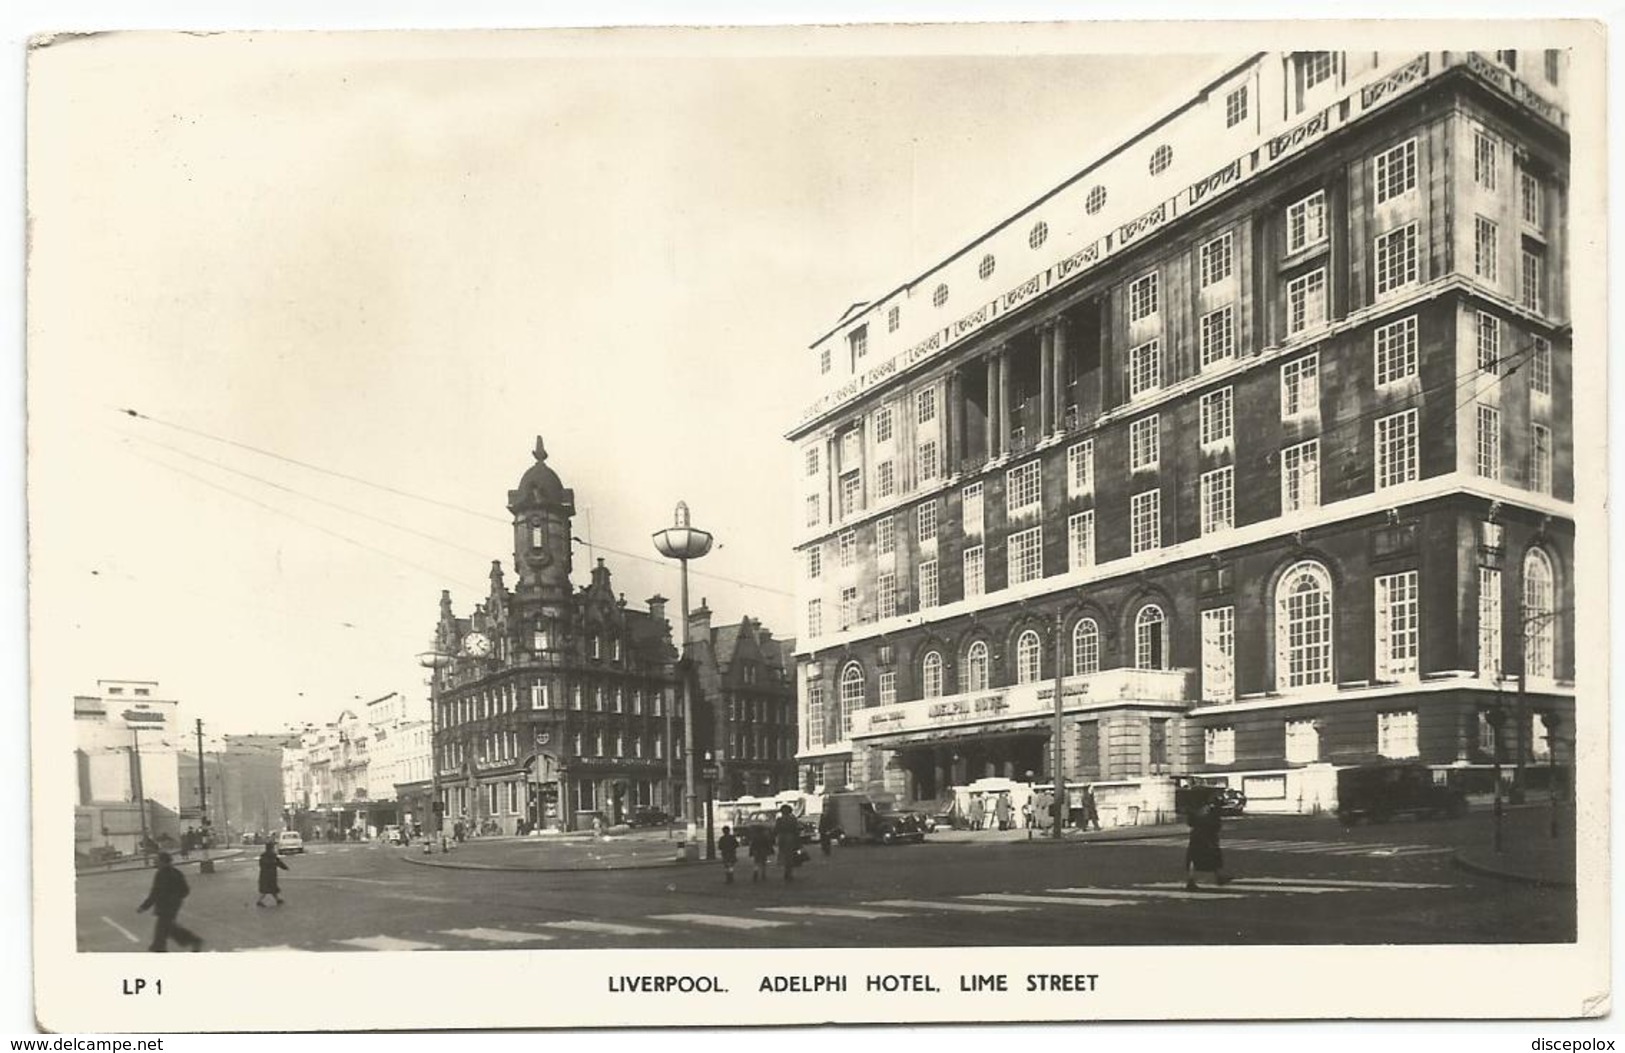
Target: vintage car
(289, 841)
(1380, 792)
(648, 815)
(764, 819)
(855, 817)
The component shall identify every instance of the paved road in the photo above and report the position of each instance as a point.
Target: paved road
(1300, 881)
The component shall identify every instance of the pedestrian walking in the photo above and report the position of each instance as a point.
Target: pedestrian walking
(169, 891)
(270, 863)
(1203, 853)
(1091, 810)
(761, 850)
(826, 830)
(787, 833)
(975, 812)
(728, 845)
(1001, 809)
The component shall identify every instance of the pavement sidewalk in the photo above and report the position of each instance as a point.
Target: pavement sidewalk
(1529, 853)
(137, 863)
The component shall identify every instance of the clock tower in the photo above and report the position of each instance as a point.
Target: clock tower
(542, 509)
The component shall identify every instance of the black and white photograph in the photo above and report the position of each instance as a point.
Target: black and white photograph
(1036, 510)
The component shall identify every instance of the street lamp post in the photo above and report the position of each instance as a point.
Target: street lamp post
(1060, 769)
(682, 542)
(434, 661)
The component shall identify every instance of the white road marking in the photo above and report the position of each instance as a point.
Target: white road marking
(1143, 893)
(273, 947)
(132, 937)
(610, 927)
(720, 921)
(496, 935)
(1337, 883)
(931, 904)
(388, 943)
(833, 912)
(1069, 901)
(357, 880)
(1283, 887)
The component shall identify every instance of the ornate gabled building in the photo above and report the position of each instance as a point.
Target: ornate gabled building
(556, 705)
(748, 704)
(1253, 439)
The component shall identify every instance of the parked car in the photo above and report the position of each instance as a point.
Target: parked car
(289, 841)
(1379, 792)
(648, 815)
(855, 817)
(392, 835)
(1228, 801)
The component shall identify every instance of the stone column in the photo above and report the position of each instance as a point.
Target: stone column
(1046, 379)
(952, 425)
(1058, 385)
(992, 417)
(1004, 399)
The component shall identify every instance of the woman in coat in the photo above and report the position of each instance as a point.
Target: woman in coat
(270, 863)
(1203, 852)
(787, 835)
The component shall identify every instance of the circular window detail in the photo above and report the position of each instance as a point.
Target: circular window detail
(1095, 201)
(1039, 235)
(939, 297)
(1161, 158)
(985, 269)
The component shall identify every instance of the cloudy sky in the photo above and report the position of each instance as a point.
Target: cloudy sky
(347, 279)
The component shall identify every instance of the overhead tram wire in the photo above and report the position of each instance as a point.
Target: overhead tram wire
(138, 415)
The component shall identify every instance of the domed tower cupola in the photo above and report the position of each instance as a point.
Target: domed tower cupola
(542, 508)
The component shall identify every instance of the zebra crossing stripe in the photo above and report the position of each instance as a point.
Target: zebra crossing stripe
(721, 921)
(388, 943)
(1340, 883)
(833, 912)
(1068, 901)
(497, 935)
(931, 904)
(273, 947)
(1147, 893)
(1231, 887)
(609, 927)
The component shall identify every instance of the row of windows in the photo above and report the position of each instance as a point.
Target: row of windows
(510, 698)
(1396, 739)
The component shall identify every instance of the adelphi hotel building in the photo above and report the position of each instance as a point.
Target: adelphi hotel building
(1254, 437)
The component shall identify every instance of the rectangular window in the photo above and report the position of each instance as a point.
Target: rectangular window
(1485, 160)
(1396, 735)
(1488, 464)
(823, 360)
(849, 607)
(815, 714)
(1025, 556)
(1216, 258)
(851, 493)
(925, 521)
(1396, 259)
(894, 318)
(926, 403)
(1080, 540)
(973, 572)
(1531, 284)
(1219, 746)
(1306, 222)
(1218, 416)
(1145, 521)
(1529, 198)
(1485, 237)
(1396, 449)
(1080, 468)
(971, 510)
(1300, 387)
(1540, 459)
(1235, 107)
(1218, 336)
(1300, 477)
(1489, 623)
(885, 479)
(928, 460)
(851, 448)
(811, 457)
(815, 617)
(1395, 351)
(1144, 444)
(1218, 499)
(1142, 297)
(883, 424)
(1302, 742)
(1396, 171)
(847, 547)
(1396, 626)
(1144, 368)
(812, 510)
(1540, 367)
(1316, 66)
(928, 583)
(885, 536)
(1219, 655)
(1306, 301)
(886, 595)
(1023, 489)
(888, 688)
(541, 695)
(1489, 343)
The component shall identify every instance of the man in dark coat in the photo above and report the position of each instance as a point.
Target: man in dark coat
(728, 846)
(270, 863)
(1203, 852)
(787, 834)
(169, 891)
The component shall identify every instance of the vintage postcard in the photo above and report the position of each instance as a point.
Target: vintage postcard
(721, 526)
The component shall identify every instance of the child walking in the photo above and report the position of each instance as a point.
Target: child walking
(728, 845)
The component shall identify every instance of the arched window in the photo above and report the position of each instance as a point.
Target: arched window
(1150, 638)
(1303, 627)
(851, 696)
(1539, 626)
(1027, 652)
(976, 667)
(931, 675)
(1085, 647)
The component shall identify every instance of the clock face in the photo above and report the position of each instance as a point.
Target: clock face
(476, 645)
